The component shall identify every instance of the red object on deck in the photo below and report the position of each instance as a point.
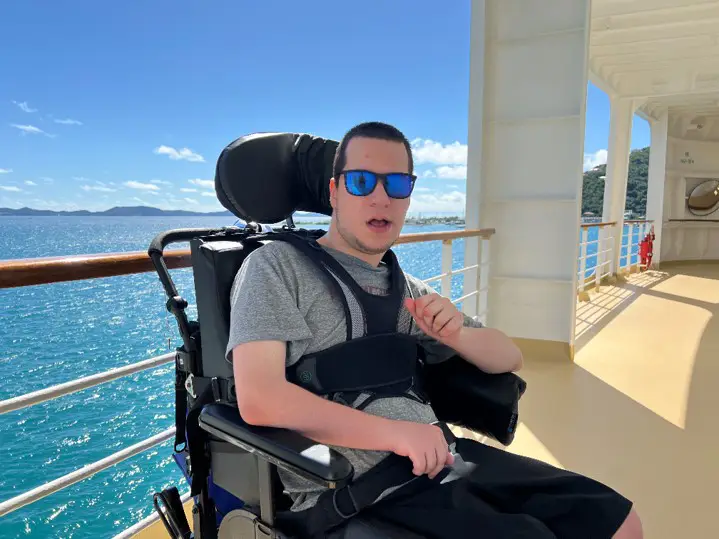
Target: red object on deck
(646, 247)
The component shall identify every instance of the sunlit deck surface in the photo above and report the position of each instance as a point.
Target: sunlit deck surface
(639, 408)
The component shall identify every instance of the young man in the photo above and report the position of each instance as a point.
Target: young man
(295, 312)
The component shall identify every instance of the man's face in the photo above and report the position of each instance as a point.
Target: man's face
(370, 224)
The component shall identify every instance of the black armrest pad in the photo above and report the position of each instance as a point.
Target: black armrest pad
(463, 395)
(284, 448)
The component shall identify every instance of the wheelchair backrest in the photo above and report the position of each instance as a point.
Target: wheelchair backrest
(261, 178)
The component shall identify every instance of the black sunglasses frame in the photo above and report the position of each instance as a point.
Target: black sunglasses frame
(381, 177)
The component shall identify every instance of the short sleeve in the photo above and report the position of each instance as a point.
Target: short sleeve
(263, 302)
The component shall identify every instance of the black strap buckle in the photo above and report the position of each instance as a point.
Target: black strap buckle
(352, 499)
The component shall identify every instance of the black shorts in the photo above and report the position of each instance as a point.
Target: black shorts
(505, 496)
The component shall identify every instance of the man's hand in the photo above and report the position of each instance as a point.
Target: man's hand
(424, 444)
(486, 348)
(436, 316)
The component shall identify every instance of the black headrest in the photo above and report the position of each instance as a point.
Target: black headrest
(265, 177)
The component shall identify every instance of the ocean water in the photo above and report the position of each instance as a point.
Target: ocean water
(55, 333)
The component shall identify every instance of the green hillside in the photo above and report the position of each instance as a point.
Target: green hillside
(593, 186)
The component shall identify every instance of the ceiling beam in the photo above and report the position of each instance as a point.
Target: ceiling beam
(677, 54)
(664, 32)
(656, 18)
(609, 8)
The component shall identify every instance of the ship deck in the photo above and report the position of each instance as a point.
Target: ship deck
(637, 409)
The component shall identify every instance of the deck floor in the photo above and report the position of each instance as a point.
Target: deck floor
(639, 407)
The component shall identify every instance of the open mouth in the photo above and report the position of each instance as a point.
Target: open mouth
(379, 225)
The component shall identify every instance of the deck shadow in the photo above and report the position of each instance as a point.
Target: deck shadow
(606, 416)
(606, 304)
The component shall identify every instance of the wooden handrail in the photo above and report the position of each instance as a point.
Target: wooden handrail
(34, 271)
(600, 225)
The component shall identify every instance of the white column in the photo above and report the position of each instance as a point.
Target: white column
(528, 81)
(657, 180)
(615, 183)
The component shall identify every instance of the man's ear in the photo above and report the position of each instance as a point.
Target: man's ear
(333, 193)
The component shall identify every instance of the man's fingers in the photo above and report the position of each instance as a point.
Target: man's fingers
(440, 458)
(453, 325)
(441, 319)
(422, 302)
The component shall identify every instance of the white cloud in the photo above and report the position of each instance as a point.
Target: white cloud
(447, 172)
(160, 182)
(593, 160)
(430, 151)
(30, 182)
(144, 203)
(68, 121)
(98, 188)
(31, 130)
(10, 188)
(453, 201)
(182, 154)
(190, 200)
(188, 190)
(208, 194)
(24, 106)
(5, 170)
(47, 180)
(81, 179)
(202, 183)
(142, 186)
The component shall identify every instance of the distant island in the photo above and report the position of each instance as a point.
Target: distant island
(637, 175)
(119, 211)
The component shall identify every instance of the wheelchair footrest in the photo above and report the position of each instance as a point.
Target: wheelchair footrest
(169, 506)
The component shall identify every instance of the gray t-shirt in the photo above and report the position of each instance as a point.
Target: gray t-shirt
(278, 294)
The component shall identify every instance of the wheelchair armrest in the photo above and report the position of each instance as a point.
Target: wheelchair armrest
(284, 448)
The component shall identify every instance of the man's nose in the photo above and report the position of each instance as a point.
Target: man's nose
(379, 196)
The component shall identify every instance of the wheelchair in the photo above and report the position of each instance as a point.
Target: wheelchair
(231, 466)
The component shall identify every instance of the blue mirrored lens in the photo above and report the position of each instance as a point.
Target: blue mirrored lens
(399, 185)
(360, 183)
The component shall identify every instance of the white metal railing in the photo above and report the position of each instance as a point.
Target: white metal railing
(598, 258)
(145, 522)
(604, 261)
(479, 289)
(53, 392)
(8, 506)
(637, 231)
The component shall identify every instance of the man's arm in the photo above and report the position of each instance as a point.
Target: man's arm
(489, 349)
(266, 398)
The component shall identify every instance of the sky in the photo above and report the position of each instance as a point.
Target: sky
(130, 103)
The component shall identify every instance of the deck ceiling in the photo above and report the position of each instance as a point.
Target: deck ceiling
(665, 54)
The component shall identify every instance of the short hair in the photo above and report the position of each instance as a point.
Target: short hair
(377, 130)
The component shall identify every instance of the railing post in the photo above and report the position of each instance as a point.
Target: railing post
(483, 281)
(446, 286)
(601, 237)
(583, 237)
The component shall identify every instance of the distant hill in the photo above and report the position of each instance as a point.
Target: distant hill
(125, 211)
(118, 211)
(593, 187)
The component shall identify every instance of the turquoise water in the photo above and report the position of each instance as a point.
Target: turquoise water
(55, 333)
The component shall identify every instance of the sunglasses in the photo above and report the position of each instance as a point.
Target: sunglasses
(362, 182)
